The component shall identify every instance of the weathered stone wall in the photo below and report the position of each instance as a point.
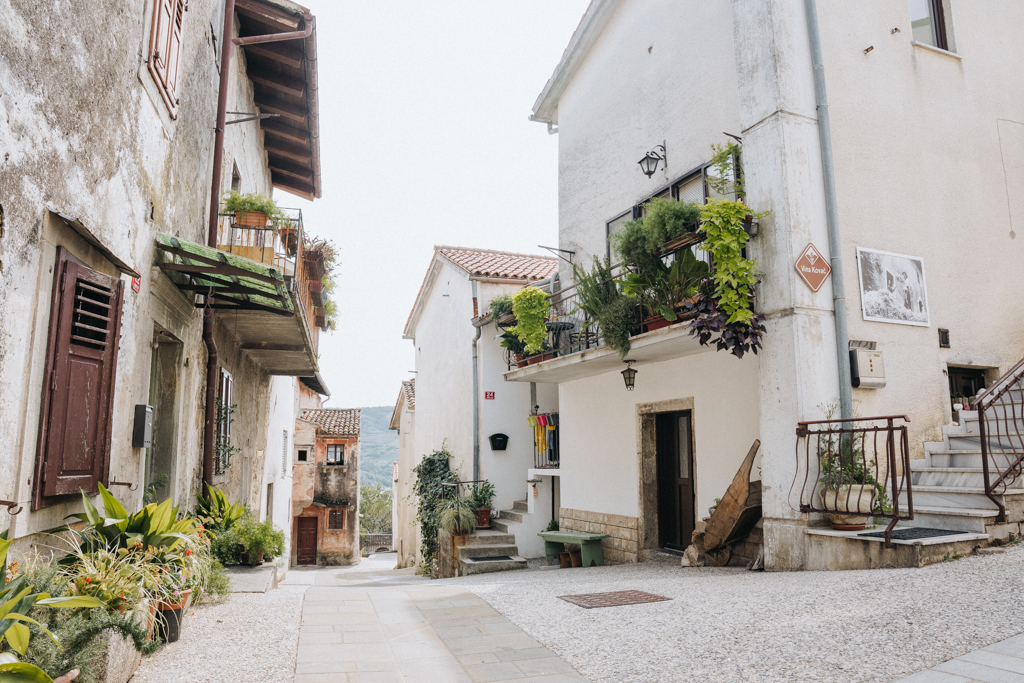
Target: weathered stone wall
(318, 487)
(620, 547)
(84, 132)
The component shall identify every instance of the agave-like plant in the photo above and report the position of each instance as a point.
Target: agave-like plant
(155, 526)
(16, 601)
(220, 514)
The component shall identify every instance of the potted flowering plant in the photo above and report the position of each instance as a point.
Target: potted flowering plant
(172, 597)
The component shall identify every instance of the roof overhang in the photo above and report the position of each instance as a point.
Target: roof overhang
(594, 21)
(263, 320)
(92, 239)
(284, 79)
(317, 384)
(396, 414)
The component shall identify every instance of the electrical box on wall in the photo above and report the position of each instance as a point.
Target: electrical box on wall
(142, 434)
(867, 369)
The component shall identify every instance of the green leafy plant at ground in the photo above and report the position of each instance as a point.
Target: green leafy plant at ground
(256, 536)
(640, 241)
(500, 305)
(374, 509)
(217, 512)
(153, 489)
(531, 305)
(433, 471)
(601, 301)
(234, 202)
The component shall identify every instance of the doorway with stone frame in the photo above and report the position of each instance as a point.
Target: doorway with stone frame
(650, 524)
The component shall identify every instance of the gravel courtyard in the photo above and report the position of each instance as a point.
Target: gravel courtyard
(734, 625)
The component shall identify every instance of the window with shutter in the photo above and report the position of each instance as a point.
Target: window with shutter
(165, 49)
(336, 518)
(226, 410)
(81, 357)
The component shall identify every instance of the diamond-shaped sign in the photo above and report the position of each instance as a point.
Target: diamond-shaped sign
(813, 268)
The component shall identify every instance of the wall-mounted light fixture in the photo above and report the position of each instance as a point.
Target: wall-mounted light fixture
(649, 164)
(629, 374)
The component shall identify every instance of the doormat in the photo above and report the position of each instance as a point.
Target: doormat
(914, 533)
(494, 558)
(613, 599)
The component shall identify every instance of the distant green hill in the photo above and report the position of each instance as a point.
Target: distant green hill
(378, 446)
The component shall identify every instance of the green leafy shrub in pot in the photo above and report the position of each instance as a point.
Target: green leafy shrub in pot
(640, 241)
(531, 306)
(663, 290)
(510, 341)
(216, 512)
(735, 276)
(483, 495)
(601, 302)
(500, 305)
(236, 203)
(258, 538)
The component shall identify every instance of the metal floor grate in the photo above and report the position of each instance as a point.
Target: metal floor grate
(613, 599)
(914, 533)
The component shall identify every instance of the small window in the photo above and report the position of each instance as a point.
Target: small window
(303, 454)
(928, 23)
(335, 454)
(943, 338)
(336, 519)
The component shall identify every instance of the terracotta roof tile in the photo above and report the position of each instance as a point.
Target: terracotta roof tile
(409, 388)
(501, 264)
(335, 422)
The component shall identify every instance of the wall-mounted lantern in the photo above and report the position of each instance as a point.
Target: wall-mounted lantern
(649, 164)
(629, 375)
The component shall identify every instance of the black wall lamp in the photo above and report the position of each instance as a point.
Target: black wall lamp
(649, 164)
(629, 374)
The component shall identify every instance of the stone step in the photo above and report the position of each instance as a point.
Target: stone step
(830, 549)
(520, 506)
(489, 537)
(966, 458)
(972, 477)
(513, 516)
(956, 497)
(972, 442)
(500, 525)
(466, 551)
(470, 567)
(958, 519)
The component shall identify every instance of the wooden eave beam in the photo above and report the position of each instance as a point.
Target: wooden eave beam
(278, 82)
(306, 192)
(284, 52)
(298, 172)
(287, 110)
(283, 130)
(289, 151)
(268, 14)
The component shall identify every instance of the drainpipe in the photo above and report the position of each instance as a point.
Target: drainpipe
(210, 428)
(832, 214)
(476, 394)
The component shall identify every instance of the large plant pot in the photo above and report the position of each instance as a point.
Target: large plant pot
(483, 518)
(168, 625)
(252, 560)
(520, 363)
(564, 561)
(255, 219)
(849, 507)
(537, 359)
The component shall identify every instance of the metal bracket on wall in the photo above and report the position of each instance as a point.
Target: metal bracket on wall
(10, 506)
(248, 117)
(131, 486)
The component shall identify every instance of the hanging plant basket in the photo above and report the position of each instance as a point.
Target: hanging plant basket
(316, 289)
(320, 317)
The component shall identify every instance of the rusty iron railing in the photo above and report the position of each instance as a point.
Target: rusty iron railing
(839, 462)
(1001, 430)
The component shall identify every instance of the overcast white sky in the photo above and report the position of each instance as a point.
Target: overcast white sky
(424, 140)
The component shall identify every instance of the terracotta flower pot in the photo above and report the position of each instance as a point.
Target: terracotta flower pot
(483, 518)
(251, 218)
(520, 363)
(537, 359)
(850, 506)
(655, 323)
(577, 558)
(179, 603)
(252, 561)
(564, 561)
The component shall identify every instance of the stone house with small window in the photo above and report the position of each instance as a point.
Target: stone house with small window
(325, 488)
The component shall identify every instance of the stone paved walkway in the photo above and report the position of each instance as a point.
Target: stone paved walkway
(366, 624)
(999, 663)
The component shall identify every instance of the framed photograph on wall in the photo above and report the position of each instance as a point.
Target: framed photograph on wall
(892, 287)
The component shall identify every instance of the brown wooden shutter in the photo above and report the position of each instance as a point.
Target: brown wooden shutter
(224, 422)
(78, 384)
(165, 49)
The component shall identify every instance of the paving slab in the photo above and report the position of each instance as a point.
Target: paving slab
(1001, 662)
(369, 623)
(252, 579)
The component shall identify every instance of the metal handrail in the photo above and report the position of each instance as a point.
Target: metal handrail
(1006, 436)
(844, 456)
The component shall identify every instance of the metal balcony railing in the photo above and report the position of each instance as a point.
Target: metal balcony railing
(855, 469)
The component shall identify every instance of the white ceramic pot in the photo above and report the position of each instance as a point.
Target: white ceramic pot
(849, 508)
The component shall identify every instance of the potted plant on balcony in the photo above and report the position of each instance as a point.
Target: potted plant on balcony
(500, 306)
(602, 304)
(514, 345)
(664, 290)
(252, 210)
(642, 242)
(530, 306)
(482, 499)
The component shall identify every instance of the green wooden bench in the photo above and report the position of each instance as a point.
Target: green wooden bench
(590, 545)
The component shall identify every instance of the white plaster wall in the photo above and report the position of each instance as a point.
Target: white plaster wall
(506, 414)
(277, 466)
(600, 429)
(662, 72)
(407, 530)
(444, 370)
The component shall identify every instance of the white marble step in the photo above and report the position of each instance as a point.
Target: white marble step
(950, 496)
(965, 458)
(971, 442)
(972, 477)
(957, 519)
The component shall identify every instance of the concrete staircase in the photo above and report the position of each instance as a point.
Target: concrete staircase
(949, 489)
(514, 516)
(474, 556)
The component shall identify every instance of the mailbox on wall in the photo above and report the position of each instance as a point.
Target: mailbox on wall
(866, 369)
(142, 434)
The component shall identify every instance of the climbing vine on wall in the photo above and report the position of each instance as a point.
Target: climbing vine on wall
(432, 471)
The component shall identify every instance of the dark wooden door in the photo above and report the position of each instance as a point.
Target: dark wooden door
(675, 480)
(307, 540)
